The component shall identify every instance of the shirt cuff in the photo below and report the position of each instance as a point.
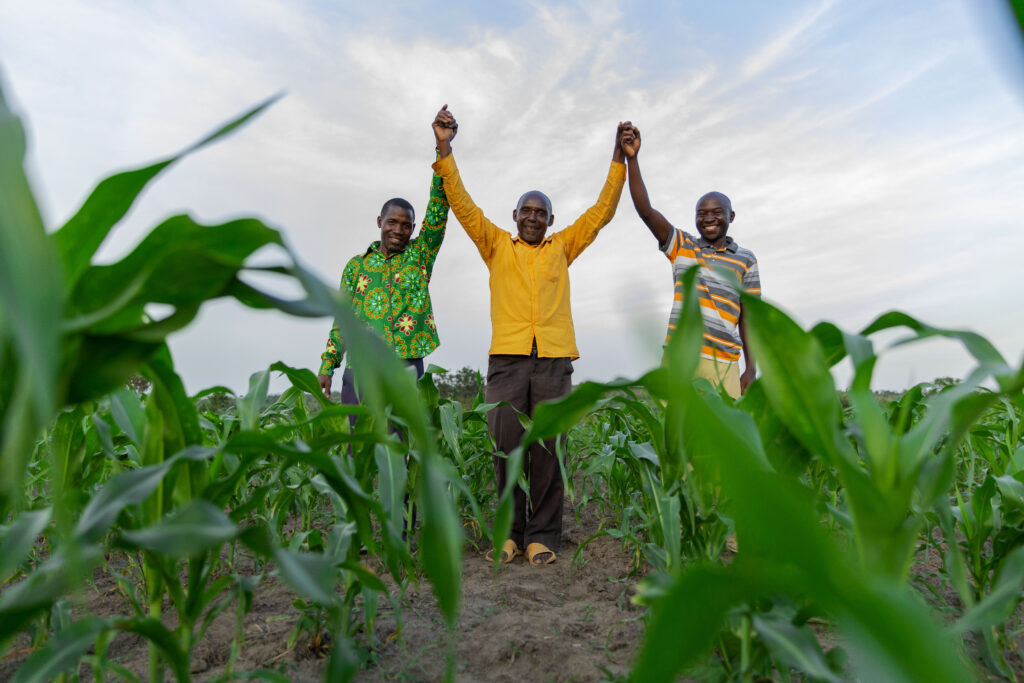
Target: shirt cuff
(445, 165)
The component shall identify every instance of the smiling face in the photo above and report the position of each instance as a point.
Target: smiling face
(396, 224)
(533, 216)
(714, 214)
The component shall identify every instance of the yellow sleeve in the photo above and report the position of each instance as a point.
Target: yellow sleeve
(483, 232)
(580, 234)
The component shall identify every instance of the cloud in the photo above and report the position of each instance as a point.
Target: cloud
(866, 175)
(781, 45)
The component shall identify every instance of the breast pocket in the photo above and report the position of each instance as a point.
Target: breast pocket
(551, 264)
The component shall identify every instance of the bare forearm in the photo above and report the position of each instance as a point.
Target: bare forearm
(652, 218)
(444, 148)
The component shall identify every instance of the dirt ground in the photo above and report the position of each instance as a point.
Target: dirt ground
(561, 622)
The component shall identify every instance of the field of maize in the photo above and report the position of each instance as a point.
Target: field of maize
(877, 540)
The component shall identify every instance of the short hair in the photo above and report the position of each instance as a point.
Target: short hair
(399, 203)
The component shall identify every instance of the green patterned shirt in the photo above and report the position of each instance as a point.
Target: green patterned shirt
(390, 294)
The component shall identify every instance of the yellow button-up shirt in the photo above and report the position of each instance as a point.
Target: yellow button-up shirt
(530, 283)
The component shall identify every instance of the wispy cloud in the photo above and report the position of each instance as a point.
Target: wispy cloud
(768, 55)
(863, 175)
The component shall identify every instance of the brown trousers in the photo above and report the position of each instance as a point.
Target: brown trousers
(523, 382)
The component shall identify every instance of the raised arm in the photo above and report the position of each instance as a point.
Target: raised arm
(655, 221)
(445, 129)
(436, 218)
(483, 232)
(582, 232)
(434, 222)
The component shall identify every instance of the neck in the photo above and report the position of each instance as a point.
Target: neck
(718, 243)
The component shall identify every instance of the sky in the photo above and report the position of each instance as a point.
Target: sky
(873, 151)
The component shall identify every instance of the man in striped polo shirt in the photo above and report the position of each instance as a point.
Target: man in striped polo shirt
(725, 338)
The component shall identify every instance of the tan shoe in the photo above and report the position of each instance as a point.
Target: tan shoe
(509, 552)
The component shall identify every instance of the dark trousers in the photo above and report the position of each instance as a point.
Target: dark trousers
(350, 397)
(523, 382)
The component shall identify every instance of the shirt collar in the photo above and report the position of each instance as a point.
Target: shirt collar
(547, 238)
(730, 244)
(374, 248)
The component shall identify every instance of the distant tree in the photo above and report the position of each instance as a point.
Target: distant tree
(461, 385)
(940, 384)
(139, 384)
(219, 403)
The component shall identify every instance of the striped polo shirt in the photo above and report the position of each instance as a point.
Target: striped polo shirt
(719, 302)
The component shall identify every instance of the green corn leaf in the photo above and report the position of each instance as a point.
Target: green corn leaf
(391, 482)
(996, 607)
(794, 645)
(31, 302)
(666, 509)
(187, 532)
(181, 263)
(365, 575)
(61, 653)
(179, 411)
(784, 452)
(128, 414)
(796, 379)
(33, 597)
(878, 443)
(783, 550)
(893, 635)
(832, 342)
(979, 347)
(502, 525)
(19, 537)
(163, 638)
(103, 364)
(250, 405)
(128, 488)
(450, 429)
(704, 595)
(683, 351)
(304, 379)
(344, 662)
(82, 235)
(429, 391)
(442, 535)
(1011, 490)
(386, 381)
(311, 575)
(552, 418)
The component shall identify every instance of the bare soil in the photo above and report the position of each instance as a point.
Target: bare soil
(560, 622)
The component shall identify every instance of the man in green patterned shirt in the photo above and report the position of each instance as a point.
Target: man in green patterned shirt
(387, 284)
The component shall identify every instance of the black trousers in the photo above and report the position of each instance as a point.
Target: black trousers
(525, 381)
(350, 397)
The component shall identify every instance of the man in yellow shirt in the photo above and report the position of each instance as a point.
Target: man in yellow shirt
(533, 342)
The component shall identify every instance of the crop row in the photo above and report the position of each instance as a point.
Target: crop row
(830, 503)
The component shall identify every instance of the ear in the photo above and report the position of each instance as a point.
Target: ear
(515, 215)
(551, 220)
(380, 223)
(732, 216)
